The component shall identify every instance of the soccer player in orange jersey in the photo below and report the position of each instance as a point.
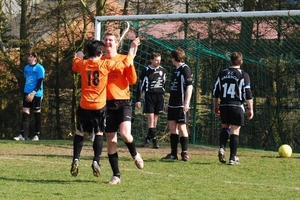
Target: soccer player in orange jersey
(119, 109)
(91, 112)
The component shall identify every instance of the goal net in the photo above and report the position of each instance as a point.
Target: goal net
(269, 42)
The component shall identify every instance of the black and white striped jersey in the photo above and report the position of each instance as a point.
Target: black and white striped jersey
(180, 79)
(152, 80)
(232, 87)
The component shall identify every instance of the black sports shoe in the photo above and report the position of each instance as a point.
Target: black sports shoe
(146, 143)
(171, 157)
(155, 144)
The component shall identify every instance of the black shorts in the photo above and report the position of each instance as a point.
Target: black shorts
(36, 103)
(153, 103)
(177, 114)
(87, 120)
(118, 111)
(234, 115)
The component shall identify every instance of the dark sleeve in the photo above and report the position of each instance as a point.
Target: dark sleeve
(139, 87)
(216, 90)
(188, 76)
(38, 84)
(247, 87)
(169, 81)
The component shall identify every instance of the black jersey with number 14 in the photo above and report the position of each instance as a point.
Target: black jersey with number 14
(232, 87)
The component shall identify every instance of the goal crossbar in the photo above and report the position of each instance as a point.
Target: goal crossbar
(200, 15)
(100, 19)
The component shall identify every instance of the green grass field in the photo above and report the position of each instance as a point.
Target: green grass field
(40, 170)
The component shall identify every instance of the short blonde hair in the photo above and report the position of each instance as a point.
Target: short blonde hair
(114, 33)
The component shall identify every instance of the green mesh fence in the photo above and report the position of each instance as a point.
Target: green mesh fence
(269, 42)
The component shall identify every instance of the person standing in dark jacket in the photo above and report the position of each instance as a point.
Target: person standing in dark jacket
(152, 84)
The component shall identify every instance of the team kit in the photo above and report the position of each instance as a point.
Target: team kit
(105, 108)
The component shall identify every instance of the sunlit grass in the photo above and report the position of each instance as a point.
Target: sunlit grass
(40, 170)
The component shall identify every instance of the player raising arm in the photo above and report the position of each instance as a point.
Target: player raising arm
(119, 110)
(91, 111)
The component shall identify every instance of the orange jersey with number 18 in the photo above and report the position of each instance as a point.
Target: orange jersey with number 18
(119, 80)
(94, 74)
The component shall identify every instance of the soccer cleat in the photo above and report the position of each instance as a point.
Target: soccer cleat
(114, 180)
(235, 161)
(185, 156)
(138, 161)
(146, 143)
(19, 138)
(221, 155)
(96, 168)
(171, 157)
(155, 144)
(74, 167)
(35, 138)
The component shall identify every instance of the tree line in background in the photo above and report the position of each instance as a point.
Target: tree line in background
(56, 29)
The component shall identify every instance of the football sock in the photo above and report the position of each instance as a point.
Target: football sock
(131, 148)
(113, 161)
(37, 117)
(224, 137)
(184, 141)
(234, 141)
(97, 147)
(152, 133)
(22, 133)
(77, 146)
(24, 123)
(174, 143)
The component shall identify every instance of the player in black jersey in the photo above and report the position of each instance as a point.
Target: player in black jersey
(152, 82)
(232, 87)
(179, 104)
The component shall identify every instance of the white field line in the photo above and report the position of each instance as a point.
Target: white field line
(161, 174)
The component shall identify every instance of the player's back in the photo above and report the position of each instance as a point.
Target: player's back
(93, 83)
(231, 85)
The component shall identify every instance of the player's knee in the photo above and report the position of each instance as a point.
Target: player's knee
(127, 138)
(99, 133)
(79, 133)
